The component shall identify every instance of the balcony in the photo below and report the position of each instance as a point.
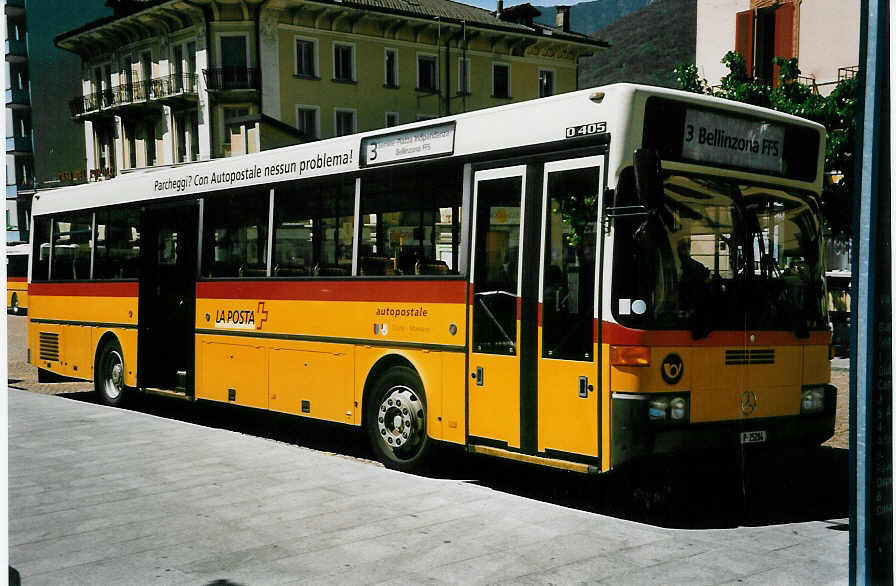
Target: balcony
(15, 7)
(18, 144)
(231, 78)
(165, 88)
(18, 98)
(16, 50)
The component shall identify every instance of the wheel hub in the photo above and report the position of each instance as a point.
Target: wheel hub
(400, 418)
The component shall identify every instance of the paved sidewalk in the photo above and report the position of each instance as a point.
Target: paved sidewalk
(108, 496)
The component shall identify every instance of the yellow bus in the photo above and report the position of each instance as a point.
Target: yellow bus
(574, 281)
(17, 278)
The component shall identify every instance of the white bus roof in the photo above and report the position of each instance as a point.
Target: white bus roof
(513, 126)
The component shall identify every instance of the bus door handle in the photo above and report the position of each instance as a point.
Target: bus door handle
(479, 376)
(584, 387)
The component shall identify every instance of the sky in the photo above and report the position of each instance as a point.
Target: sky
(490, 4)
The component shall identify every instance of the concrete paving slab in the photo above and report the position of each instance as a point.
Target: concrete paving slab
(171, 502)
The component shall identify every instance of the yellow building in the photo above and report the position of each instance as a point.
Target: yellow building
(172, 81)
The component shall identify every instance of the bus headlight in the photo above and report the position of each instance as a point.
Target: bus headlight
(812, 400)
(666, 408)
(678, 409)
(657, 409)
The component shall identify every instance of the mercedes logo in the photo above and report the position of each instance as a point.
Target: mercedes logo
(748, 402)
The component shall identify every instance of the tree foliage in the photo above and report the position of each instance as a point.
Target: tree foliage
(836, 111)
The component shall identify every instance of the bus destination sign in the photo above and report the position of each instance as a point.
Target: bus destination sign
(418, 143)
(710, 137)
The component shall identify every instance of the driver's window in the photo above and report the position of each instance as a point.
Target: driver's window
(496, 268)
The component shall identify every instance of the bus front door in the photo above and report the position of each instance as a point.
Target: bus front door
(495, 313)
(568, 403)
(168, 297)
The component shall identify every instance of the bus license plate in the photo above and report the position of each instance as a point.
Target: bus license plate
(752, 437)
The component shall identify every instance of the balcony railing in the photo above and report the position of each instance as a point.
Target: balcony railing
(231, 78)
(847, 72)
(18, 96)
(16, 47)
(18, 144)
(167, 86)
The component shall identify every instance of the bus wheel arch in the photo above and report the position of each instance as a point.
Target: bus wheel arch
(394, 414)
(109, 370)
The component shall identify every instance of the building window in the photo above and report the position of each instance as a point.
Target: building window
(427, 73)
(545, 83)
(306, 65)
(343, 63)
(307, 120)
(500, 80)
(344, 121)
(391, 65)
(762, 35)
(463, 76)
(391, 119)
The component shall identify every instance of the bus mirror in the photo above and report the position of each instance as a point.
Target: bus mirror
(648, 178)
(649, 234)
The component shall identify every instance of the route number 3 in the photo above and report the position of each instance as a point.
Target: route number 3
(371, 151)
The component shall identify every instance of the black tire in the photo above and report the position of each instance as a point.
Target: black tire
(395, 419)
(108, 374)
(14, 303)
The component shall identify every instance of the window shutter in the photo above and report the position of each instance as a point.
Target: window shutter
(743, 37)
(783, 35)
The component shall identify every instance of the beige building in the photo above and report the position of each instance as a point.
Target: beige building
(822, 34)
(172, 81)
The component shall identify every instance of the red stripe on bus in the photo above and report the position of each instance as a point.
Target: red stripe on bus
(16, 279)
(519, 309)
(541, 315)
(378, 291)
(86, 289)
(620, 335)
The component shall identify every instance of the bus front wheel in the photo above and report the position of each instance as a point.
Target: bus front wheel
(15, 303)
(396, 420)
(108, 374)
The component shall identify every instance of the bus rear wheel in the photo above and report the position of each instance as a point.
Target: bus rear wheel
(108, 374)
(396, 420)
(15, 303)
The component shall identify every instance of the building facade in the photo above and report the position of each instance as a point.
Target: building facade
(44, 148)
(19, 155)
(173, 81)
(823, 35)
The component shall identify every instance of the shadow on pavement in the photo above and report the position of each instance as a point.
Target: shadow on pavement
(715, 489)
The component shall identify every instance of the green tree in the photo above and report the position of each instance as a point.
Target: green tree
(835, 111)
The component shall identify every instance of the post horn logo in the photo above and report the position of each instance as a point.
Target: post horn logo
(748, 402)
(672, 368)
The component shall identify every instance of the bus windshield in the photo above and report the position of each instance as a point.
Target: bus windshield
(721, 255)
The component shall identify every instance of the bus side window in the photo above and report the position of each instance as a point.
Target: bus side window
(410, 220)
(72, 244)
(41, 253)
(314, 228)
(117, 250)
(235, 234)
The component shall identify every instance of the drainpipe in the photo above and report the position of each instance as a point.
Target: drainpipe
(207, 17)
(258, 8)
(448, 76)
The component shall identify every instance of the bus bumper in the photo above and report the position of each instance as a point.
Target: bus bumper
(635, 436)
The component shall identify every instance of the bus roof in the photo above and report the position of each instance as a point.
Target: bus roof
(512, 126)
